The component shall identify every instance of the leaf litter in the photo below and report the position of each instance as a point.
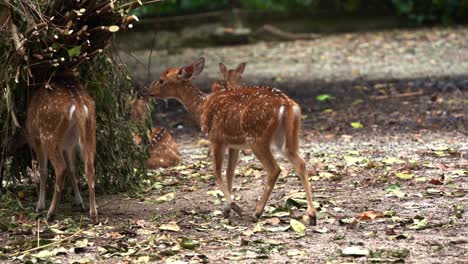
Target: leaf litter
(390, 188)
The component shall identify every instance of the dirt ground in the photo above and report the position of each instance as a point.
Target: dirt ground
(389, 143)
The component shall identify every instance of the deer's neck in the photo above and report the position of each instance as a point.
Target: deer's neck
(193, 99)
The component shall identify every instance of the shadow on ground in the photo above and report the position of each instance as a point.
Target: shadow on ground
(391, 156)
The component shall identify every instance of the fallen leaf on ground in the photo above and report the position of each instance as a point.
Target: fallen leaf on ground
(357, 125)
(404, 176)
(141, 223)
(172, 226)
(188, 243)
(321, 230)
(215, 193)
(273, 221)
(355, 251)
(81, 243)
(43, 254)
(392, 160)
(419, 224)
(166, 198)
(436, 182)
(297, 226)
(395, 190)
(370, 215)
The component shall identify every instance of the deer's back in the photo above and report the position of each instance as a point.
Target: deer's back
(243, 115)
(50, 109)
(220, 86)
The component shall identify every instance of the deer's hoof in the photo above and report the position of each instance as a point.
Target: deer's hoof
(93, 218)
(236, 209)
(78, 207)
(40, 208)
(50, 217)
(226, 210)
(310, 219)
(255, 217)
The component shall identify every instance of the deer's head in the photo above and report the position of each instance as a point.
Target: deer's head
(173, 79)
(232, 76)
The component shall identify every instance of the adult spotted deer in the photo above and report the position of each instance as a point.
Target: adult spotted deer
(61, 118)
(246, 117)
(231, 77)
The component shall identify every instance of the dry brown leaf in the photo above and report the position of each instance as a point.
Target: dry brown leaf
(370, 215)
(273, 221)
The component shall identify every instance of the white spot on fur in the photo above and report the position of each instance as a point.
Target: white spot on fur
(72, 111)
(279, 136)
(86, 110)
(281, 113)
(296, 110)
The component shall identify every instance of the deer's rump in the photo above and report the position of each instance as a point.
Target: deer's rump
(49, 115)
(244, 115)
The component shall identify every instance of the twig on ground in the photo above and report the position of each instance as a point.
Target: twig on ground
(392, 96)
(48, 245)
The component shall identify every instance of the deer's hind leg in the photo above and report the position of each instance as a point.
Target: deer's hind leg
(70, 159)
(60, 166)
(41, 157)
(263, 153)
(88, 151)
(292, 153)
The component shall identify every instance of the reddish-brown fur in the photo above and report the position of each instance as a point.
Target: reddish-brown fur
(247, 117)
(60, 119)
(139, 111)
(231, 78)
(163, 150)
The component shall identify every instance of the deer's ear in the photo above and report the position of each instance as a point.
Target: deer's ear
(192, 70)
(223, 69)
(185, 73)
(198, 65)
(240, 68)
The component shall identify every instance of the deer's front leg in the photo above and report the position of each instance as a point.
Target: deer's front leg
(231, 167)
(218, 158)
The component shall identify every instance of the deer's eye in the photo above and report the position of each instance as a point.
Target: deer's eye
(161, 81)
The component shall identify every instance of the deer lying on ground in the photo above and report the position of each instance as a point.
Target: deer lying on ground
(258, 118)
(163, 150)
(60, 119)
(231, 78)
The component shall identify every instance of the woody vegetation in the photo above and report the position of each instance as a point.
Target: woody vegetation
(44, 40)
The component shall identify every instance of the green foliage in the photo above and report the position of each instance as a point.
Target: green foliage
(119, 162)
(416, 11)
(428, 11)
(174, 7)
(118, 159)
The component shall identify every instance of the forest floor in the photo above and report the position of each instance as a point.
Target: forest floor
(387, 131)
